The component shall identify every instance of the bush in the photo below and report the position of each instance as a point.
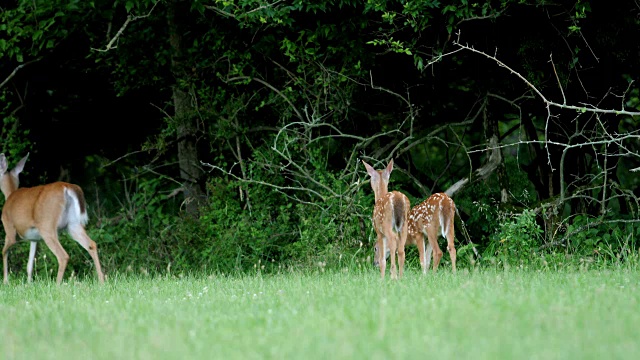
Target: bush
(517, 241)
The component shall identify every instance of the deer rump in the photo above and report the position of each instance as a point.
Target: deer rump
(397, 212)
(397, 216)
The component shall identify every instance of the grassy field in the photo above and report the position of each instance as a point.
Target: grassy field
(481, 315)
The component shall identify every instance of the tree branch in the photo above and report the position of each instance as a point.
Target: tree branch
(273, 88)
(495, 158)
(230, 15)
(130, 18)
(15, 71)
(542, 97)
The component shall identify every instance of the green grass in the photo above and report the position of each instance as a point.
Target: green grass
(482, 315)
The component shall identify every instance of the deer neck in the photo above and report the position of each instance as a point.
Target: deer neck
(381, 191)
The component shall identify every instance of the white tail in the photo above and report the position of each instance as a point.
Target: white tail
(38, 213)
(433, 217)
(389, 220)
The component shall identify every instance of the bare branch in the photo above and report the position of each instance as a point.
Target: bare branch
(230, 15)
(485, 17)
(564, 99)
(264, 183)
(495, 158)
(123, 157)
(589, 137)
(220, 11)
(15, 71)
(617, 138)
(130, 18)
(542, 97)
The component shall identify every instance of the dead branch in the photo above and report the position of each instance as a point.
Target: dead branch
(16, 69)
(175, 192)
(581, 109)
(549, 104)
(264, 183)
(495, 158)
(130, 18)
(553, 65)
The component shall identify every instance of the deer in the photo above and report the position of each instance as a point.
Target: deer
(38, 213)
(421, 222)
(433, 217)
(390, 220)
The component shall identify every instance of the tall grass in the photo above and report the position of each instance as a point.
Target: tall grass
(481, 315)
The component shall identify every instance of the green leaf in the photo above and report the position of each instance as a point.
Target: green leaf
(129, 6)
(448, 8)
(37, 34)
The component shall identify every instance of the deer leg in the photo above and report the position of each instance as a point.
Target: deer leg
(437, 253)
(382, 249)
(32, 256)
(451, 247)
(418, 239)
(401, 256)
(9, 240)
(428, 252)
(52, 241)
(78, 234)
(393, 248)
(402, 241)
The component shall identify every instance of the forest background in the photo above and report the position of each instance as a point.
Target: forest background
(228, 135)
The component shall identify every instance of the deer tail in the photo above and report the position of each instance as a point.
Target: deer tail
(76, 204)
(398, 213)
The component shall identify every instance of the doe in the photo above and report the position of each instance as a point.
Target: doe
(38, 213)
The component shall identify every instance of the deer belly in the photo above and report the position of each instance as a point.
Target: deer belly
(31, 234)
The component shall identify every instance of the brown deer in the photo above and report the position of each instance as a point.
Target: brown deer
(389, 220)
(433, 217)
(38, 213)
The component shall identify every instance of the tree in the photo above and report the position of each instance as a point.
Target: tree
(282, 99)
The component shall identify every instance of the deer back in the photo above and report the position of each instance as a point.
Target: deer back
(46, 207)
(438, 210)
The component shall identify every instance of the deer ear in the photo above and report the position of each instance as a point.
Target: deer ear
(387, 172)
(390, 166)
(20, 166)
(372, 172)
(3, 164)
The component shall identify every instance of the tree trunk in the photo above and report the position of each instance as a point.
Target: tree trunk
(184, 112)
